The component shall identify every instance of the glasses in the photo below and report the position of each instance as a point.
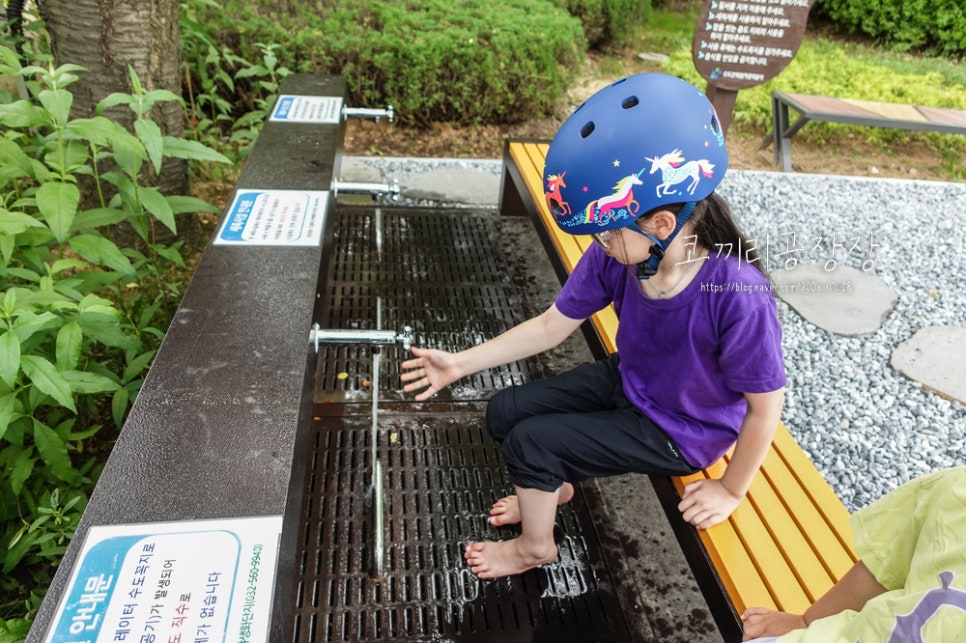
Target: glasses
(606, 237)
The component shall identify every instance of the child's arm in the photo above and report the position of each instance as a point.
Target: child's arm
(708, 502)
(431, 370)
(851, 592)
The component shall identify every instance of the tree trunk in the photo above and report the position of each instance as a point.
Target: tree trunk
(108, 36)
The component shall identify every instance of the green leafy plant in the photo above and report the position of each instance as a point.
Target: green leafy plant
(80, 317)
(934, 26)
(264, 78)
(228, 97)
(14, 630)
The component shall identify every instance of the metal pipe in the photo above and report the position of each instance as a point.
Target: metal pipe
(376, 485)
(372, 114)
(377, 224)
(378, 546)
(377, 190)
(360, 336)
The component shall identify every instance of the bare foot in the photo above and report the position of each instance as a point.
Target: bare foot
(506, 511)
(491, 559)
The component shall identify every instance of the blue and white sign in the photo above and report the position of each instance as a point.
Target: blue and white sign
(275, 218)
(209, 580)
(307, 109)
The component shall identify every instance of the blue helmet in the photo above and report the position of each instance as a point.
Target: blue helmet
(645, 141)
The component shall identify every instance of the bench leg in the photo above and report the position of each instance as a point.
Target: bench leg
(511, 203)
(783, 133)
(782, 143)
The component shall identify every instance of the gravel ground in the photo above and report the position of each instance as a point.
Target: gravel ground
(867, 427)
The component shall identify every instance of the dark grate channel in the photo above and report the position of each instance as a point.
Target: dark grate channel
(442, 273)
(445, 274)
(442, 475)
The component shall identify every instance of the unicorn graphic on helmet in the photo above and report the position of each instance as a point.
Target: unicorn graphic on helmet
(674, 170)
(618, 205)
(555, 200)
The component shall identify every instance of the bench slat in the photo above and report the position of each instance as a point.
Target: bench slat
(954, 117)
(817, 489)
(826, 108)
(765, 552)
(809, 551)
(738, 573)
(889, 111)
(835, 556)
(796, 549)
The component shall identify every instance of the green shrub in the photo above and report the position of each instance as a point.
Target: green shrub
(936, 26)
(228, 97)
(609, 22)
(463, 61)
(481, 68)
(80, 318)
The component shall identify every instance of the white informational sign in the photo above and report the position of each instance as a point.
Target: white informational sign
(307, 109)
(206, 580)
(275, 218)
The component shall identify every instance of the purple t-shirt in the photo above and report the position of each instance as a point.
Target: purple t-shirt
(686, 361)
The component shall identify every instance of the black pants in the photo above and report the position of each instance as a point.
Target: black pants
(577, 425)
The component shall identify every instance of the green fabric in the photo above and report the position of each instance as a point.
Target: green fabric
(913, 540)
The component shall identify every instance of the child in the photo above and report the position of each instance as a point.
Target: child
(910, 584)
(699, 362)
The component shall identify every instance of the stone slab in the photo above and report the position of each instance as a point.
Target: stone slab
(844, 300)
(936, 357)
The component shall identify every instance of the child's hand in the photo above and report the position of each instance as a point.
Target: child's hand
(707, 502)
(760, 622)
(431, 370)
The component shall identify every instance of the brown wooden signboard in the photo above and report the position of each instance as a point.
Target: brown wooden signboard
(745, 43)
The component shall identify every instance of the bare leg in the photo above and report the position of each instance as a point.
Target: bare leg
(534, 547)
(506, 511)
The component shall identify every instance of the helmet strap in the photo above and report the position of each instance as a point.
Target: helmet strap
(648, 268)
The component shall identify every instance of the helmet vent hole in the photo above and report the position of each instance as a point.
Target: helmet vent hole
(555, 208)
(587, 130)
(629, 102)
(715, 125)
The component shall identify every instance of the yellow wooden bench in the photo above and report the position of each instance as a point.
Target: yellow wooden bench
(790, 541)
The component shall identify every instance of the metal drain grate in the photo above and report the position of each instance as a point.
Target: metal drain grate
(442, 475)
(446, 275)
(443, 273)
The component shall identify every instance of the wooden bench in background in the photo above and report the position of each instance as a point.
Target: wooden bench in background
(852, 112)
(789, 542)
